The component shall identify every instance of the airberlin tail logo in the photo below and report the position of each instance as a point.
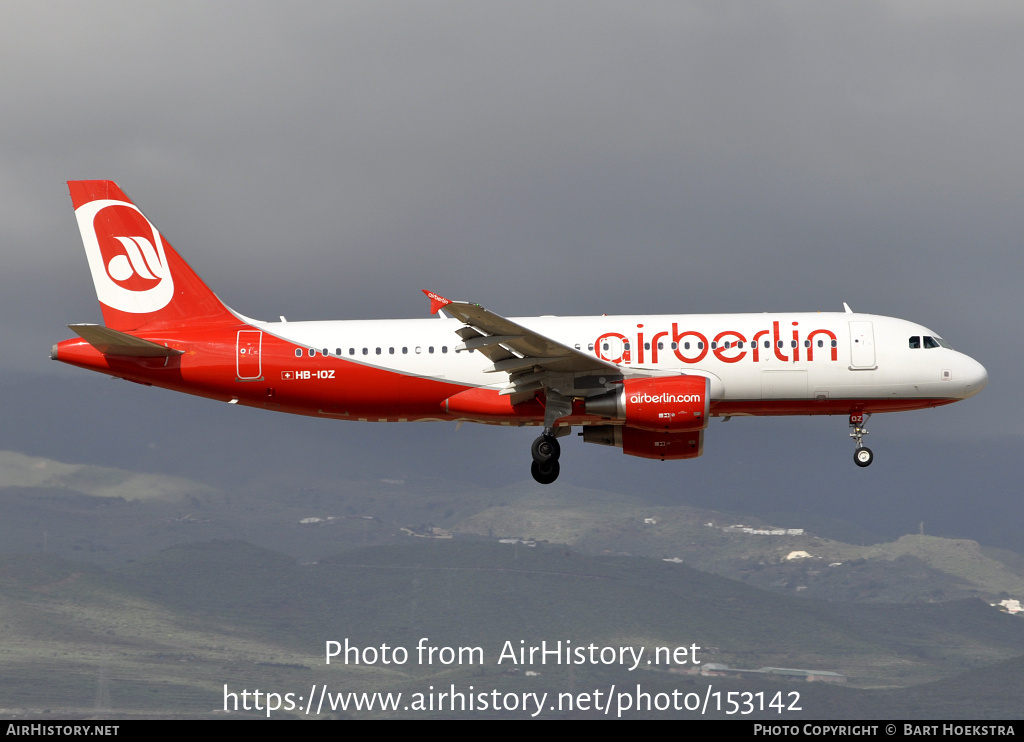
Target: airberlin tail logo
(126, 257)
(139, 259)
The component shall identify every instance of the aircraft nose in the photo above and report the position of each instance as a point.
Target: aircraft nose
(976, 377)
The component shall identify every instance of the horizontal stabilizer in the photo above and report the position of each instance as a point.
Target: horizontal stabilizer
(113, 343)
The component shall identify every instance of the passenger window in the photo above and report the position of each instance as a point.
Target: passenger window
(351, 351)
(767, 343)
(326, 353)
(366, 351)
(444, 348)
(418, 350)
(647, 346)
(378, 351)
(835, 344)
(298, 352)
(590, 346)
(661, 346)
(430, 349)
(605, 346)
(915, 342)
(821, 343)
(405, 350)
(675, 346)
(714, 345)
(686, 345)
(312, 352)
(700, 345)
(807, 343)
(337, 351)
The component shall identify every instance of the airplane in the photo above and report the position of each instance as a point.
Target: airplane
(647, 384)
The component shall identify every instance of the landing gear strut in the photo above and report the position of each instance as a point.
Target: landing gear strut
(545, 451)
(862, 455)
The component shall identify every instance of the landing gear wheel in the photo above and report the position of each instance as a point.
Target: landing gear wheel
(545, 473)
(862, 456)
(545, 449)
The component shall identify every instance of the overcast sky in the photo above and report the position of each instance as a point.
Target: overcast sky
(329, 160)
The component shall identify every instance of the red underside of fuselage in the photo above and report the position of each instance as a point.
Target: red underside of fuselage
(332, 387)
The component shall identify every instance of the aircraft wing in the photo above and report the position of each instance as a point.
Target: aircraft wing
(517, 350)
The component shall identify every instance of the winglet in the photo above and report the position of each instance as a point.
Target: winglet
(436, 302)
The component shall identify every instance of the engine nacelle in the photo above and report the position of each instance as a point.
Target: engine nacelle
(666, 404)
(647, 444)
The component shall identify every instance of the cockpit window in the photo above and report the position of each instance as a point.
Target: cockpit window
(930, 341)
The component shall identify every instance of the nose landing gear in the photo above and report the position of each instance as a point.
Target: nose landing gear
(545, 451)
(862, 455)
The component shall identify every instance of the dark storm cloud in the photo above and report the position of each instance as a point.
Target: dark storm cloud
(329, 160)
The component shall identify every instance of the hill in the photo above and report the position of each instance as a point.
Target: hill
(165, 634)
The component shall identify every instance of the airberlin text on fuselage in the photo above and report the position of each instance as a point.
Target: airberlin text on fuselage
(691, 346)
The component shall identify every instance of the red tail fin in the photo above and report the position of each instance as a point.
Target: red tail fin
(140, 280)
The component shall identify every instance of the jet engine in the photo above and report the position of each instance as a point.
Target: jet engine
(647, 444)
(665, 404)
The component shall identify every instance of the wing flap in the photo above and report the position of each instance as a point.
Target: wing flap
(484, 344)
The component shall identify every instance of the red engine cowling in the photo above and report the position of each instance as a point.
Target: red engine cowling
(647, 444)
(666, 404)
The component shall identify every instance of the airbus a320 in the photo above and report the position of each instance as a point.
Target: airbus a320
(648, 384)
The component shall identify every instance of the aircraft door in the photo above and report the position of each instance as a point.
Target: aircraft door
(248, 365)
(862, 345)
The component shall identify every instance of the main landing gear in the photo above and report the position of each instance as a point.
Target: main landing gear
(545, 452)
(862, 455)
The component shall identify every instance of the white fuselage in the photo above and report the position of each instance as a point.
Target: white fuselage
(798, 357)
